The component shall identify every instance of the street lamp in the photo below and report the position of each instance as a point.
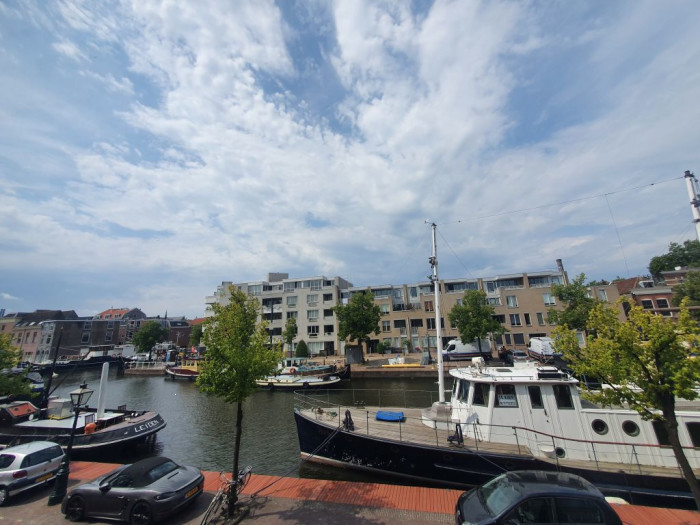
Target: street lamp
(78, 398)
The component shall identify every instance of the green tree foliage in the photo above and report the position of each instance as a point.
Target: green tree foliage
(578, 304)
(302, 349)
(358, 318)
(10, 384)
(474, 318)
(238, 353)
(646, 362)
(148, 335)
(687, 254)
(690, 289)
(290, 332)
(196, 335)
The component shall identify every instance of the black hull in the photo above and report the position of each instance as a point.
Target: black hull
(107, 440)
(87, 364)
(458, 467)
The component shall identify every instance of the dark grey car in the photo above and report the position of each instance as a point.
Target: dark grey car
(531, 496)
(141, 493)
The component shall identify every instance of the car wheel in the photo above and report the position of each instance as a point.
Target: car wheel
(141, 514)
(3, 496)
(75, 508)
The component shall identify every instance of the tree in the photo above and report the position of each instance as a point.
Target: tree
(578, 304)
(196, 335)
(148, 335)
(690, 289)
(302, 349)
(474, 318)
(358, 318)
(290, 332)
(646, 363)
(11, 384)
(687, 254)
(238, 353)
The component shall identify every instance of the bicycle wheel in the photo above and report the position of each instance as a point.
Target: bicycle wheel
(214, 507)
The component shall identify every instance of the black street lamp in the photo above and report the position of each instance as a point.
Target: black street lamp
(78, 398)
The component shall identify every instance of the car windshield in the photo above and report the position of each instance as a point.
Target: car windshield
(498, 494)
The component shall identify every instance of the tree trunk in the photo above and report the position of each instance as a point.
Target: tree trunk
(671, 424)
(232, 496)
(478, 342)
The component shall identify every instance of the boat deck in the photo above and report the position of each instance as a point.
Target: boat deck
(413, 430)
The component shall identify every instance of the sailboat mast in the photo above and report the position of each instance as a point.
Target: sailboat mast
(438, 327)
(691, 184)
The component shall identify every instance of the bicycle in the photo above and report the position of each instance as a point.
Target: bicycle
(222, 495)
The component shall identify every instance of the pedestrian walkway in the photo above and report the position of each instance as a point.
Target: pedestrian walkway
(269, 500)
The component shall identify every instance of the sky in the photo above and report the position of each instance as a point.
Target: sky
(150, 150)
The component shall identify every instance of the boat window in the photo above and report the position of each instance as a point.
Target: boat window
(481, 394)
(599, 426)
(630, 428)
(694, 431)
(535, 396)
(505, 396)
(661, 433)
(562, 394)
(463, 394)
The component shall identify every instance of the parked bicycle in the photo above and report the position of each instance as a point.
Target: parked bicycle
(220, 501)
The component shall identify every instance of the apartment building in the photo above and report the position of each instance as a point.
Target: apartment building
(309, 300)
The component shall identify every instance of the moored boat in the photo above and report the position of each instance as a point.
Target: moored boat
(298, 382)
(188, 369)
(302, 366)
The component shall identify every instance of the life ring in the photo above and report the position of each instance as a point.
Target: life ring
(292, 370)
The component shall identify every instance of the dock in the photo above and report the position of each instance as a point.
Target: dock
(268, 500)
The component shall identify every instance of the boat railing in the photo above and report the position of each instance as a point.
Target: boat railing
(331, 405)
(146, 365)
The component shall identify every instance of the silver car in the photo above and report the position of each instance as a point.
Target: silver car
(141, 493)
(25, 466)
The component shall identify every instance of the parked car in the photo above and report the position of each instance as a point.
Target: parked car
(532, 496)
(23, 467)
(520, 357)
(140, 493)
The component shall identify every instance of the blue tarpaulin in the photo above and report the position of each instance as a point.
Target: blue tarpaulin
(383, 415)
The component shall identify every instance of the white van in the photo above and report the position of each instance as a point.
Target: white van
(456, 349)
(542, 349)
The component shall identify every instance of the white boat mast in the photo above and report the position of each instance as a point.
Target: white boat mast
(691, 183)
(438, 328)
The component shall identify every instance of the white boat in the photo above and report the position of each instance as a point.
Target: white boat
(298, 382)
(525, 417)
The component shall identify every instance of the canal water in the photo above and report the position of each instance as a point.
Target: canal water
(200, 429)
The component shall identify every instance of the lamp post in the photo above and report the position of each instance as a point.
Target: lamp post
(78, 398)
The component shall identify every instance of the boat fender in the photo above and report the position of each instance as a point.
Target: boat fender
(348, 423)
(90, 428)
(292, 370)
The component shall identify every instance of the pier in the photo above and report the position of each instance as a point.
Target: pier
(268, 500)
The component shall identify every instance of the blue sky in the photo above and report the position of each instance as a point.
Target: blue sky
(151, 150)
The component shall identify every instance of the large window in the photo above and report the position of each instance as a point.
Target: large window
(292, 315)
(518, 339)
(528, 321)
(327, 297)
(535, 396)
(512, 301)
(481, 394)
(429, 306)
(548, 299)
(312, 315)
(540, 318)
(647, 304)
(505, 396)
(312, 331)
(493, 301)
(562, 394)
(386, 326)
(384, 308)
(661, 303)
(328, 312)
(291, 301)
(312, 298)
(515, 320)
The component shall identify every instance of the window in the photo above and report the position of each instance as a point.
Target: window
(535, 396)
(511, 301)
(384, 309)
(548, 299)
(661, 303)
(602, 295)
(493, 301)
(85, 338)
(386, 326)
(430, 323)
(507, 338)
(429, 306)
(533, 510)
(481, 394)
(327, 297)
(647, 304)
(578, 510)
(599, 426)
(328, 329)
(501, 318)
(328, 312)
(505, 396)
(515, 320)
(694, 432)
(463, 394)
(292, 315)
(312, 331)
(312, 315)
(661, 433)
(540, 318)
(312, 299)
(292, 301)
(630, 428)
(400, 325)
(528, 321)
(562, 394)
(518, 339)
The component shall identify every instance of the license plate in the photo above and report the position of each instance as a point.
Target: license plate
(44, 477)
(191, 492)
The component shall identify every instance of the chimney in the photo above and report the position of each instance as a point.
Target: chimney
(560, 268)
